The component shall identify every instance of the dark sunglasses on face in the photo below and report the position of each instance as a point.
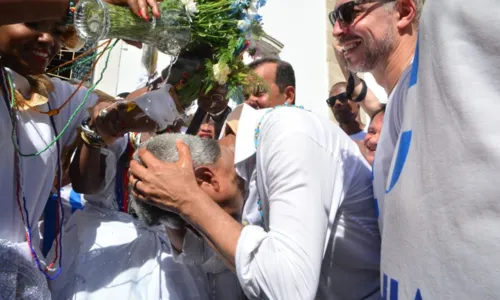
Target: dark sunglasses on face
(346, 13)
(342, 97)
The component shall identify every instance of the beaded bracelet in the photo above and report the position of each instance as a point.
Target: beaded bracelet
(71, 13)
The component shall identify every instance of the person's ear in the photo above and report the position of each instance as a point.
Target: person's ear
(407, 13)
(290, 95)
(206, 178)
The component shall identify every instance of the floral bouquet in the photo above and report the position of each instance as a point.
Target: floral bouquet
(221, 30)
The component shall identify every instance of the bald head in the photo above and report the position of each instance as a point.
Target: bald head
(339, 87)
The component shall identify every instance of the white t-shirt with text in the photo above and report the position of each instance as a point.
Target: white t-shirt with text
(442, 210)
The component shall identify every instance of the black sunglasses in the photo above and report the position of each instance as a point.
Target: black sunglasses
(346, 13)
(342, 97)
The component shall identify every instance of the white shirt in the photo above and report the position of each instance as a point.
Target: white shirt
(321, 238)
(159, 106)
(110, 255)
(107, 254)
(393, 120)
(35, 133)
(442, 214)
(222, 282)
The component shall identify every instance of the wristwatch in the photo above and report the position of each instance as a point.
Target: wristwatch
(89, 136)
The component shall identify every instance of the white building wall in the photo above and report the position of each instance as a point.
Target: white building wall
(124, 69)
(300, 26)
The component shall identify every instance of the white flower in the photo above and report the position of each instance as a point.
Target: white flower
(221, 73)
(191, 7)
(243, 25)
(252, 12)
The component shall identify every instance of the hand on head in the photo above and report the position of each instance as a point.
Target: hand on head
(179, 176)
(150, 178)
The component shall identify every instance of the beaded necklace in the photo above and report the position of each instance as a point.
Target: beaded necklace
(256, 141)
(75, 112)
(8, 90)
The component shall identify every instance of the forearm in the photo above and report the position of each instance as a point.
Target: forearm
(218, 227)
(370, 103)
(87, 170)
(22, 11)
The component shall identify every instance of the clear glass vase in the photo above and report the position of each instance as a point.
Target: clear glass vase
(97, 20)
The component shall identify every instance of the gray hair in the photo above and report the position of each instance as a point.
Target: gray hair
(203, 152)
(419, 5)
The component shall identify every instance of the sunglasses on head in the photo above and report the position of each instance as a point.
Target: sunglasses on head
(342, 97)
(346, 13)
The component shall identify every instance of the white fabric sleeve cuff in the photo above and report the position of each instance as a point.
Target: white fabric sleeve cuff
(194, 250)
(159, 106)
(250, 239)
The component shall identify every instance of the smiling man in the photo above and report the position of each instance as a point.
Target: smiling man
(380, 36)
(280, 78)
(442, 212)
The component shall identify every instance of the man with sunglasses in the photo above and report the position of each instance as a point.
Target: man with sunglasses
(346, 111)
(442, 210)
(379, 36)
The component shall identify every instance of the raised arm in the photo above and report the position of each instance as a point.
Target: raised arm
(371, 103)
(23, 11)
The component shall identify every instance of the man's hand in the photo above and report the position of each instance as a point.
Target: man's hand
(169, 186)
(139, 7)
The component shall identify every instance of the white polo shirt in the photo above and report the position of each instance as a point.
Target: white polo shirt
(321, 235)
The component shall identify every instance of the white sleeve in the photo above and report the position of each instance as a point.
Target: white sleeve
(112, 155)
(75, 111)
(285, 262)
(159, 106)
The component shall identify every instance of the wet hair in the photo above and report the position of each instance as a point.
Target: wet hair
(203, 152)
(285, 75)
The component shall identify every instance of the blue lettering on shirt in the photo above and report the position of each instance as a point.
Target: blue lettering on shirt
(393, 288)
